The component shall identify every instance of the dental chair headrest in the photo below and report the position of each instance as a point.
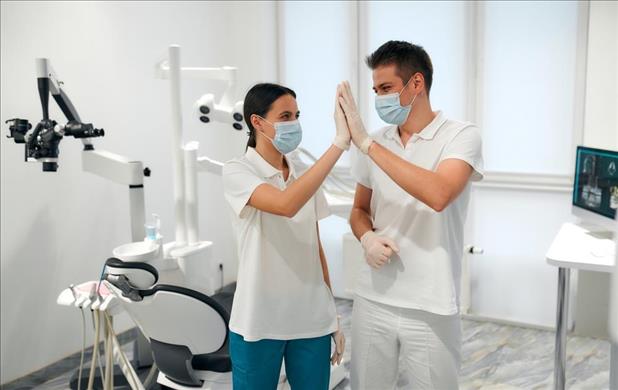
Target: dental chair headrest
(140, 276)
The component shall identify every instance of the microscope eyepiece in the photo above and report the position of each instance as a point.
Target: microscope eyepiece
(82, 130)
(18, 129)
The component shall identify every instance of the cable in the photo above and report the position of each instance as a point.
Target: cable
(81, 358)
(114, 337)
(94, 353)
(101, 279)
(99, 351)
(222, 279)
(152, 374)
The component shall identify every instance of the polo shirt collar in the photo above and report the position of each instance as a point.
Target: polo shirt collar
(263, 167)
(427, 133)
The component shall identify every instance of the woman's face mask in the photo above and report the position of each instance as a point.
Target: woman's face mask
(288, 135)
(389, 107)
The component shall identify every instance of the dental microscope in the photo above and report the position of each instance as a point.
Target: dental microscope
(42, 144)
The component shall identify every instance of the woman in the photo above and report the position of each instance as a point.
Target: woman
(283, 307)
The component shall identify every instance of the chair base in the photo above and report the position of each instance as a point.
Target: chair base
(119, 379)
(211, 381)
(223, 380)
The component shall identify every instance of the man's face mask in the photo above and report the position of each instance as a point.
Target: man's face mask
(288, 135)
(389, 107)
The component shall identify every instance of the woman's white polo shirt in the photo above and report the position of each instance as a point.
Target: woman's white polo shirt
(281, 293)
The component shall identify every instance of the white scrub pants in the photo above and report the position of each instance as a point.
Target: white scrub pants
(429, 346)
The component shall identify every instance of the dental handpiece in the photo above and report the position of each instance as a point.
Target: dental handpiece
(72, 288)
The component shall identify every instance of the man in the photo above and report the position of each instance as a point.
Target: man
(409, 210)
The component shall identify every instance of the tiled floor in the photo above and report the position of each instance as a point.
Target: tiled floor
(507, 357)
(494, 357)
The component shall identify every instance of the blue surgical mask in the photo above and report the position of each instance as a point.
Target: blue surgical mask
(288, 135)
(389, 107)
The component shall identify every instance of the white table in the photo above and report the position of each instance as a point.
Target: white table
(575, 247)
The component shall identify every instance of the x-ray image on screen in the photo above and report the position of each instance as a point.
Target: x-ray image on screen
(596, 181)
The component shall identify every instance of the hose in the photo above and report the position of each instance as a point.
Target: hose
(114, 340)
(95, 352)
(81, 358)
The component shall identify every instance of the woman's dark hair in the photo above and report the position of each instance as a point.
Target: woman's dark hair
(258, 101)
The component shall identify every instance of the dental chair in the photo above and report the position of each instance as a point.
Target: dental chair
(187, 330)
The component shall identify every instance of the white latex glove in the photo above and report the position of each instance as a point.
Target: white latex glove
(378, 249)
(355, 124)
(339, 340)
(342, 139)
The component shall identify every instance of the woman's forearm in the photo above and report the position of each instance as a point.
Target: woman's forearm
(289, 201)
(300, 191)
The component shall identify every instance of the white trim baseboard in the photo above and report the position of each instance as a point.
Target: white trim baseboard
(526, 181)
(502, 321)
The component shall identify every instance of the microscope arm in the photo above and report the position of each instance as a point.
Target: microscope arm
(207, 109)
(113, 167)
(225, 73)
(121, 170)
(48, 82)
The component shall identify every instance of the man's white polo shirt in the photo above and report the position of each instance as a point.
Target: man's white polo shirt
(281, 293)
(425, 274)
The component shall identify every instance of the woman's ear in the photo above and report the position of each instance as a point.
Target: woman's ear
(255, 122)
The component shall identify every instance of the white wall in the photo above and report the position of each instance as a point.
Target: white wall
(600, 131)
(58, 228)
(601, 121)
(511, 279)
(515, 242)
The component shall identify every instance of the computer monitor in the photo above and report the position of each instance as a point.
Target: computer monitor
(595, 186)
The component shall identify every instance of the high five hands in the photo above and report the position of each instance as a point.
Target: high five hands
(345, 101)
(342, 137)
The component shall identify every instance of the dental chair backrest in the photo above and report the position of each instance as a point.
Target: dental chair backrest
(179, 322)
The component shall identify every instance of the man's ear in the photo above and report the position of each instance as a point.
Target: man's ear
(419, 82)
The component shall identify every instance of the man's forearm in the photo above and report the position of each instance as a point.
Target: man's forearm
(360, 222)
(424, 185)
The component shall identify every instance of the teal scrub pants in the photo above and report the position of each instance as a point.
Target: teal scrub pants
(256, 365)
